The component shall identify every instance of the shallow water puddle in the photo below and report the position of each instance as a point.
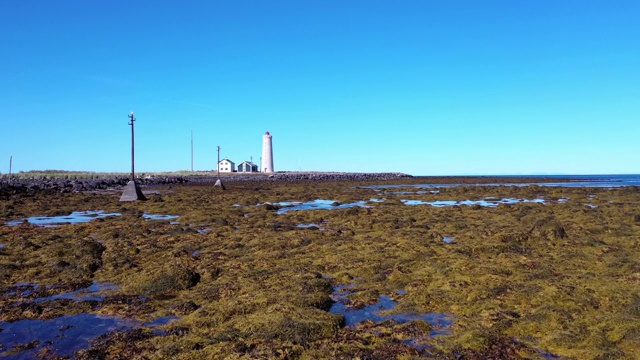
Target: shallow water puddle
(419, 192)
(63, 335)
(73, 218)
(447, 239)
(1, 246)
(163, 320)
(440, 322)
(310, 226)
(85, 294)
(22, 289)
(484, 203)
(160, 217)
(316, 205)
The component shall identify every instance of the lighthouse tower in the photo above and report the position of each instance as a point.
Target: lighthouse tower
(267, 153)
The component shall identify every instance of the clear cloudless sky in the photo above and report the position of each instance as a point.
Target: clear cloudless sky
(426, 87)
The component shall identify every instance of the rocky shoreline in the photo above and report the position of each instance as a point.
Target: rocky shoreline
(491, 269)
(78, 185)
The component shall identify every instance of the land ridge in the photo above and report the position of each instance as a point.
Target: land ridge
(77, 182)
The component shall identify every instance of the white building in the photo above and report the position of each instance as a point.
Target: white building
(226, 165)
(267, 153)
(247, 166)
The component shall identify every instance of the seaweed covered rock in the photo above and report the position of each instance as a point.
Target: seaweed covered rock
(495, 347)
(185, 308)
(127, 344)
(547, 227)
(288, 324)
(165, 281)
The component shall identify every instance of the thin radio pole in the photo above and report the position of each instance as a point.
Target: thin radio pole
(219, 181)
(133, 176)
(191, 150)
(218, 167)
(132, 191)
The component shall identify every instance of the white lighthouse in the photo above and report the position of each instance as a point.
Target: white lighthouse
(267, 153)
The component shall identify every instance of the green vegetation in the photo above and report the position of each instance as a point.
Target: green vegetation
(519, 280)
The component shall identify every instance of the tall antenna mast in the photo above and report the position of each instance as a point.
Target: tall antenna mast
(191, 150)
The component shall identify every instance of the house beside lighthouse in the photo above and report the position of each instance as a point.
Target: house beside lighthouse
(267, 153)
(226, 165)
(247, 167)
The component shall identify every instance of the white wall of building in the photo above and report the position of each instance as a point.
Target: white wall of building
(226, 165)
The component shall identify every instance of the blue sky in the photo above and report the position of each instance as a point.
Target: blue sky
(422, 87)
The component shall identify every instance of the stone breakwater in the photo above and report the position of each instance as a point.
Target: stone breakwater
(319, 176)
(77, 185)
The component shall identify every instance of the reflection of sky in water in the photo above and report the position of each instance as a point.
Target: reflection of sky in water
(316, 205)
(159, 217)
(1, 246)
(309, 226)
(65, 334)
(439, 321)
(164, 320)
(419, 192)
(73, 218)
(85, 294)
(486, 202)
(447, 239)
